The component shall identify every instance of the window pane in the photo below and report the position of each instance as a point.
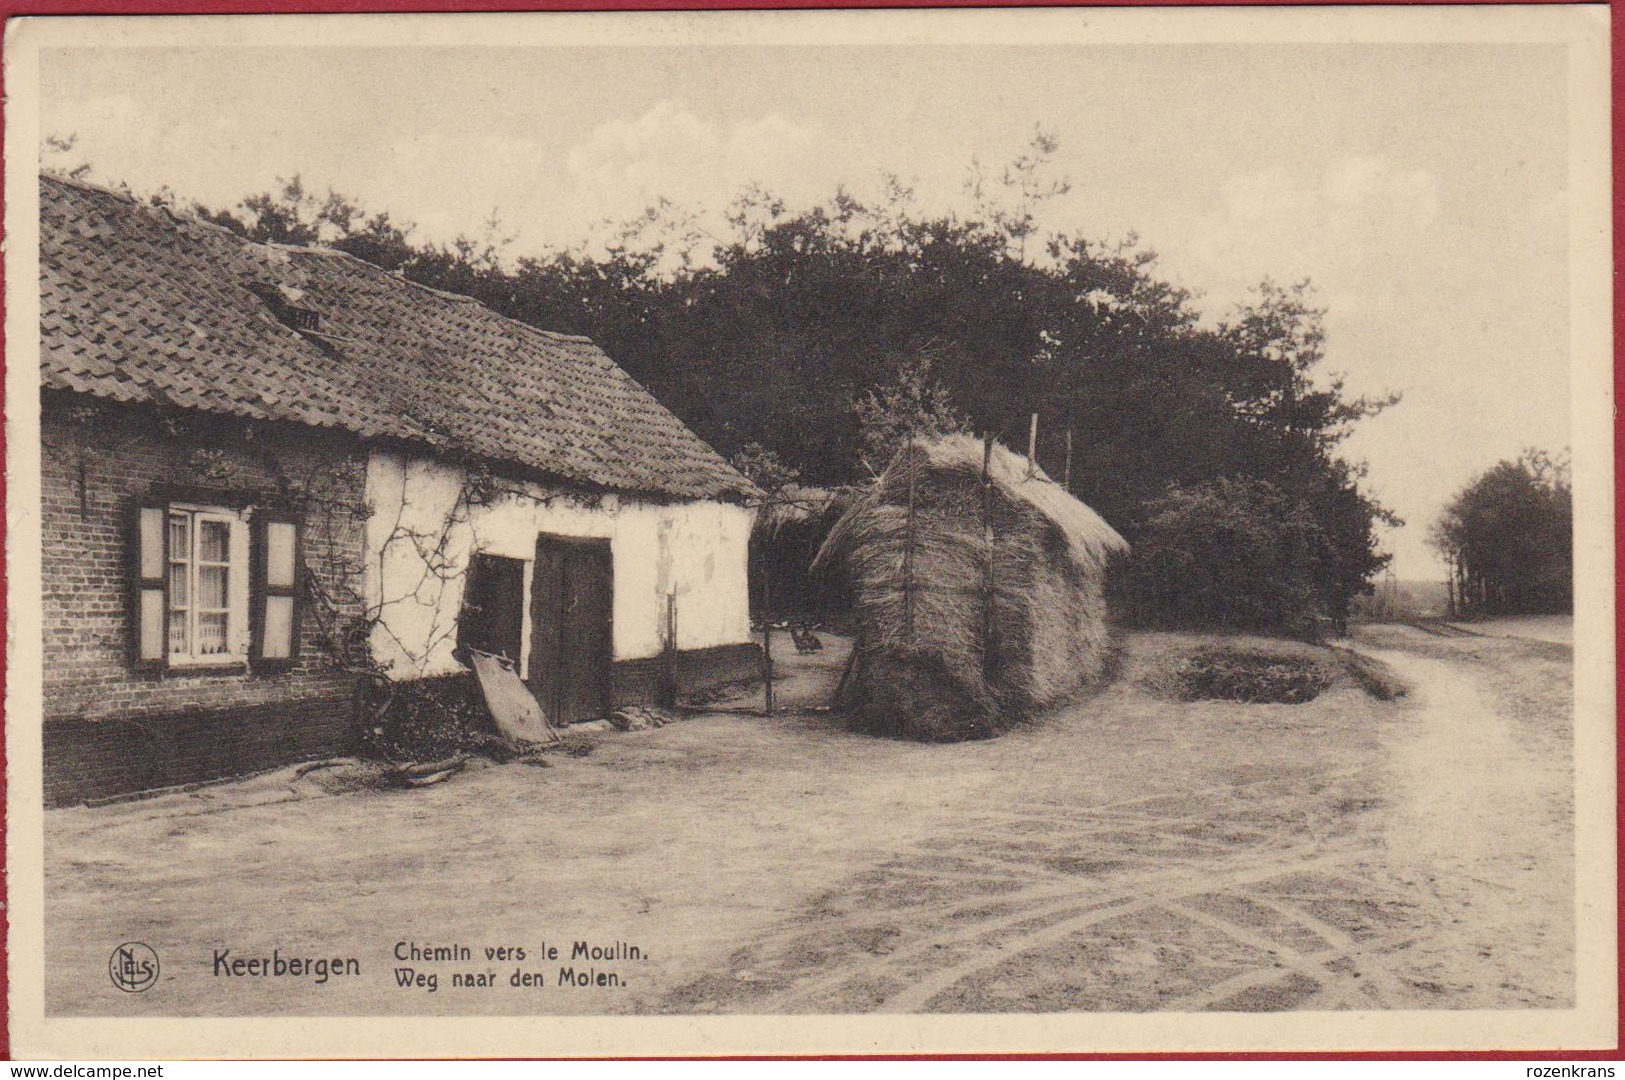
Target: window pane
(212, 538)
(278, 628)
(179, 642)
(180, 593)
(152, 624)
(279, 555)
(211, 587)
(152, 543)
(211, 633)
(180, 537)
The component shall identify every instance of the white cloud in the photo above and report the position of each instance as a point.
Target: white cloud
(1369, 233)
(1349, 229)
(106, 111)
(88, 125)
(673, 152)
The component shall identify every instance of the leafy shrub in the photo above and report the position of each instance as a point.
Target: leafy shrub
(1233, 553)
(1257, 678)
(428, 720)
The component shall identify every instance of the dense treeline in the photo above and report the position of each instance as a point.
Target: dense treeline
(1508, 537)
(813, 340)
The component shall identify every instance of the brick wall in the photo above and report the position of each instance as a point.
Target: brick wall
(100, 461)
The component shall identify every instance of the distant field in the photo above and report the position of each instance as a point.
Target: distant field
(1404, 598)
(1410, 598)
(1423, 597)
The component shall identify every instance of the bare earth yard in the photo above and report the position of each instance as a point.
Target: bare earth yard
(1130, 853)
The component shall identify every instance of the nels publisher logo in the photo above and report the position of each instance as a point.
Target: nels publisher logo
(133, 967)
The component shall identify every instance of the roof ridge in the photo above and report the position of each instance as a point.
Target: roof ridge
(192, 218)
(175, 214)
(456, 297)
(568, 409)
(87, 185)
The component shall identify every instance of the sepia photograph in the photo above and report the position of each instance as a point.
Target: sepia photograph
(565, 534)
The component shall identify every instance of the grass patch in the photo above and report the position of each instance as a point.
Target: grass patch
(1372, 675)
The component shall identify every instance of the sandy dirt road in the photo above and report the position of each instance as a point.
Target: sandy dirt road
(1483, 816)
(1132, 853)
(1555, 629)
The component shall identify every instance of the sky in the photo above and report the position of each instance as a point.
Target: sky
(1421, 188)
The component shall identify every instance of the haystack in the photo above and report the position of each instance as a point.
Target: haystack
(976, 604)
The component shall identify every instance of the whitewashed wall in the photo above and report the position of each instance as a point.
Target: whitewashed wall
(696, 549)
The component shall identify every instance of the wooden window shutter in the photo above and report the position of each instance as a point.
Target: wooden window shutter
(274, 599)
(149, 597)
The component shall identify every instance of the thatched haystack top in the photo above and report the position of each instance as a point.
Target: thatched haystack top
(1089, 539)
(799, 504)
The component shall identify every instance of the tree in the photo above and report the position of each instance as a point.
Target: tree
(825, 335)
(56, 147)
(1011, 205)
(1508, 538)
(1348, 558)
(1279, 342)
(1230, 553)
(292, 214)
(913, 405)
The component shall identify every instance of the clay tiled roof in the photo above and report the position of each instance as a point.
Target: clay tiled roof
(141, 305)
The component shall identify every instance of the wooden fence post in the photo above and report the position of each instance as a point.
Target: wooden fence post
(767, 641)
(668, 655)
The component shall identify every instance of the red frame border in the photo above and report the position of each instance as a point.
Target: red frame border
(10, 9)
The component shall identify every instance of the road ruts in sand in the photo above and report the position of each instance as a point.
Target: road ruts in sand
(1245, 896)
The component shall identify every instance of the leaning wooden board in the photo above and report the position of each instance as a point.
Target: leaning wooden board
(517, 714)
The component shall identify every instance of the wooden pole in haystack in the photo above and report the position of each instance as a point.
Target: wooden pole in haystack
(1032, 447)
(1066, 471)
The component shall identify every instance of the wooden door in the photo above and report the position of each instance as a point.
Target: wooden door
(572, 646)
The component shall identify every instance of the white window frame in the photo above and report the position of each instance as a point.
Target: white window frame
(237, 587)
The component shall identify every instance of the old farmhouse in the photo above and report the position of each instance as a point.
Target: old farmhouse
(270, 473)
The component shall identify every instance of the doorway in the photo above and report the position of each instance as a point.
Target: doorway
(572, 641)
(492, 619)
